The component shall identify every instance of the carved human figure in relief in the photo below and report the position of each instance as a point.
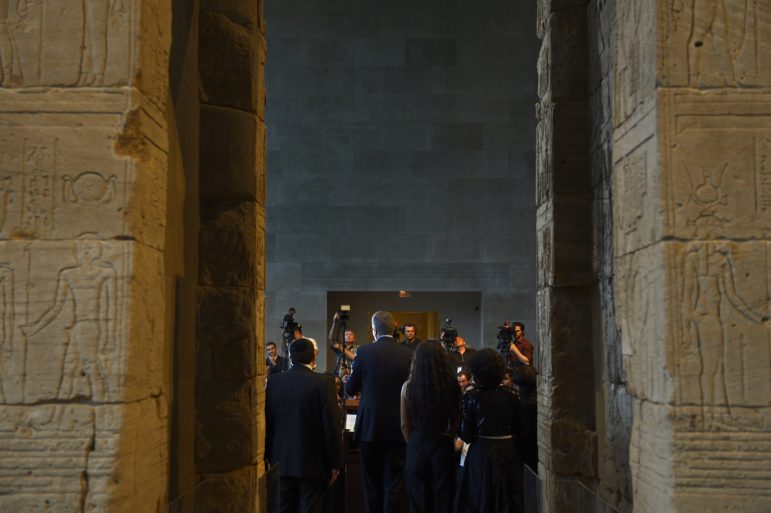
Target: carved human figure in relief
(710, 297)
(94, 54)
(720, 31)
(5, 192)
(90, 287)
(6, 322)
(10, 71)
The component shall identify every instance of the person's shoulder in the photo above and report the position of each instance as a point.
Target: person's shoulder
(324, 379)
(512, 394)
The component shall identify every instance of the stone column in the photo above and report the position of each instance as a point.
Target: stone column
(566, 409)
(692, 216)
(83, 152)
(230, 370)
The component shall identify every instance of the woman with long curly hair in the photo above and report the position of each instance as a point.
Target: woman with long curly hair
(430, 409)
(491, 417)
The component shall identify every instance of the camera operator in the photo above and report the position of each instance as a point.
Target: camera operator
(411, 341)
(461, 353)
(521, 349)
(349, 340)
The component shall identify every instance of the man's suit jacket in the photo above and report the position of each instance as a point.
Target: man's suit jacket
(303, 429)
(379, 371)
(279, 367)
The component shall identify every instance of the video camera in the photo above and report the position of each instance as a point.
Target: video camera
(448, 334)
(505, 338)
(344, 314)
(289, 325)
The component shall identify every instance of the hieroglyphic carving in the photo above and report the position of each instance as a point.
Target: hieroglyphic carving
(543, 153)
(10, 63)
(714, 43)
(714, 167)
(7, 318)
(763, 179)
(711, 299)
(635, 178)
(91, 287)
(48, 190)
(89, 187)
(93, 59)
(57, 42)
(633, 59)
(723, 47)
(5, 196)
(39, 175)
(718, 165)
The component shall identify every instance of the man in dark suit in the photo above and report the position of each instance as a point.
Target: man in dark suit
(302, 431)
(379, 371)
(273, 361)
(411, 341)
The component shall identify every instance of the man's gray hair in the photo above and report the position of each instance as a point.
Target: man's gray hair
(383, 323)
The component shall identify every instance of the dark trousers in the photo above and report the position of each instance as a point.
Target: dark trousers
(430, 472)
(383, 471)
(302, 495)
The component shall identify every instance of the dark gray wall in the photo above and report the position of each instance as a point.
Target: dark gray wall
(400, 153)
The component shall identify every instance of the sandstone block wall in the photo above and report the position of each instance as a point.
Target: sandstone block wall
(229, 391)
(83, 151)
(692, 218)
(677, 102)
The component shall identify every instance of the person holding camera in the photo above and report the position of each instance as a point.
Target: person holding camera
(349, 341)
(521, 349)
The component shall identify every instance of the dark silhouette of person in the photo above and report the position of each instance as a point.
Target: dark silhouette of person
(302, 431)
(379, 371)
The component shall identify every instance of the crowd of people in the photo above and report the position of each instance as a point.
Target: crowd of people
(451, 430)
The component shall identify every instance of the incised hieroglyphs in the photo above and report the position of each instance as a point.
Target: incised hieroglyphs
(5, 193)
(91, 288)
(723, 45)
(763, 178)
(89, 187)
(7, 298)
(11, 13)
(64, 42)
(93, 60)
(711, 300)
(48, 190)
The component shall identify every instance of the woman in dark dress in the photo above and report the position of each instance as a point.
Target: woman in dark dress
(490, 423)
(430, 408)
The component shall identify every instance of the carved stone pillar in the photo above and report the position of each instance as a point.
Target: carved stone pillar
(566, 409)
(83, 156)
(230, 359)
(692, 217)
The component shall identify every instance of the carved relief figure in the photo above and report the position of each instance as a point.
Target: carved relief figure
(6, 321)
(717, 37)
(91, 288)
(93, 60)
(10, 71)
(5, 192)
(710, 295)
